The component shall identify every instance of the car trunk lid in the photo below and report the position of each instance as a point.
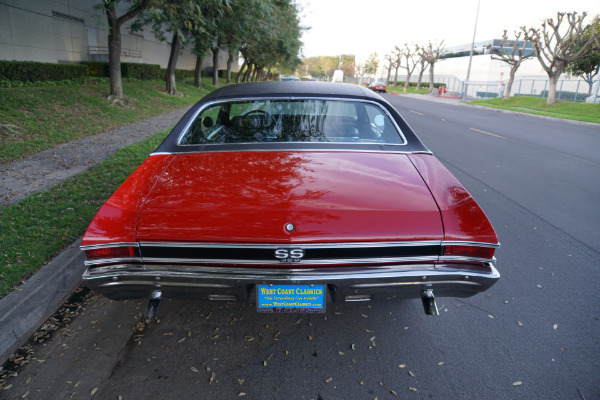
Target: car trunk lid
(327, 196)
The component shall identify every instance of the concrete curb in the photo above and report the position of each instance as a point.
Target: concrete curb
(24, 309)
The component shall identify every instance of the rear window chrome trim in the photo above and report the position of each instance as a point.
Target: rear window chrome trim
(287, 98)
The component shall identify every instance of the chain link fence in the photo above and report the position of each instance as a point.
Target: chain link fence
(567, 89)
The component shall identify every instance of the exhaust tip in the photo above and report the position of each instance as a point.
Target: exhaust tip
(429, 304)
(154, 304)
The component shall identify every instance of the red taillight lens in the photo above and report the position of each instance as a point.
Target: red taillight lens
(110, 252)
(470, 251)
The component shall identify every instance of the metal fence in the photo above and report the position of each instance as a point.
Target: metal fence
(567, 89)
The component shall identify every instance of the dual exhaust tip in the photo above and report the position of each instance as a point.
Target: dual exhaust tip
(427, 298)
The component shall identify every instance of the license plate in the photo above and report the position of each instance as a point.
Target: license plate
(291, 298)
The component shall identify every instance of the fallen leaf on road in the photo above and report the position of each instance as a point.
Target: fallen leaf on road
(212, 378)
(94, 390)
(518, 383)
(328, 380)
(412, 388)
(555, 326)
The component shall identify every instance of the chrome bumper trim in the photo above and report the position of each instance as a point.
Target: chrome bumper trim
(176, 281)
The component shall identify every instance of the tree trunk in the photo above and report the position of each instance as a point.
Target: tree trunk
(420, 77)
(114, 52)
(229, 63)
(175, 48)
(511, 78)
(387, 80)
(114, 43)
(396, 76)
(552, 81)
(248, 71)
(198, 72)
(431, 86)
(215, 52)
(244, 65)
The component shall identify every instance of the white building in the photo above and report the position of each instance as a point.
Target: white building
(71, 31)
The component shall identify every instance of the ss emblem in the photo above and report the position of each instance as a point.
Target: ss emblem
(289, 255)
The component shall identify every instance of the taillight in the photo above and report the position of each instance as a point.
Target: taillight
(110, 252)
(469, 251)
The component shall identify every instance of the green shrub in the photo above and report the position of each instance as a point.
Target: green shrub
(180, 74)
(141, 71)
(564, 95)
(96, 69)
(29, 71)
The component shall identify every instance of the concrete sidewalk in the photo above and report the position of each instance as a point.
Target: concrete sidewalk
(24, 310)
(43, 170)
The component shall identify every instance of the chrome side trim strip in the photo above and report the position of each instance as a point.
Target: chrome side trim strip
(109, 245)
(302, 245)
(101, 261)
(467, 243)
(303, 262)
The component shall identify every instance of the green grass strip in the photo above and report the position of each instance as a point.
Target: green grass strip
(39, 227)
(33, 119)
(586, 112)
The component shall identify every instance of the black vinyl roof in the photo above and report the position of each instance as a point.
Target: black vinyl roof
(293, 89)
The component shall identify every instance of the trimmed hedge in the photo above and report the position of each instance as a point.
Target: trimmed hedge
(414, 84)
(29, 71)
(96, 69)
(99, 69)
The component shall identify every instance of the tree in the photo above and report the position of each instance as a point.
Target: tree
(588, 66)
(389, 58)
(411, 62)
(372, 64)
(422, 63)
(273, 38)
(431, 53)
(359, 71)
(512, 52)
(398, 53)
(114, 39)
(555, 47)
(180, 18)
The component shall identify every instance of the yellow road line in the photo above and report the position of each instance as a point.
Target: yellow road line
(416, 112)
(488, 133)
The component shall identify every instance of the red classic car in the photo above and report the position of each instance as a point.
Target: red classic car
(378, 87)
(290, 195)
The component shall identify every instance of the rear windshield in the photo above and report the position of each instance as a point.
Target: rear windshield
(292, 121)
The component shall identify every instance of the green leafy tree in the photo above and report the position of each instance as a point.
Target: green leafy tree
(115, 22)
(178, 19)
(372, 64)
(588, 66)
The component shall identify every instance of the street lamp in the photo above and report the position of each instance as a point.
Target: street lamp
(471, 53)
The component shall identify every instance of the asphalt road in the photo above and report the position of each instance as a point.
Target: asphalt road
(534, 335)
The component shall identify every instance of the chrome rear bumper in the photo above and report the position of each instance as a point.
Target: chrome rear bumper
(130, 281)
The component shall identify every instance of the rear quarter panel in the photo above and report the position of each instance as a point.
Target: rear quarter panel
(462, 217)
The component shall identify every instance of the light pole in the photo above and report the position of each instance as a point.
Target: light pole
(471, 53)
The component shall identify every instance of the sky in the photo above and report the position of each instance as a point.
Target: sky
(361, 27)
